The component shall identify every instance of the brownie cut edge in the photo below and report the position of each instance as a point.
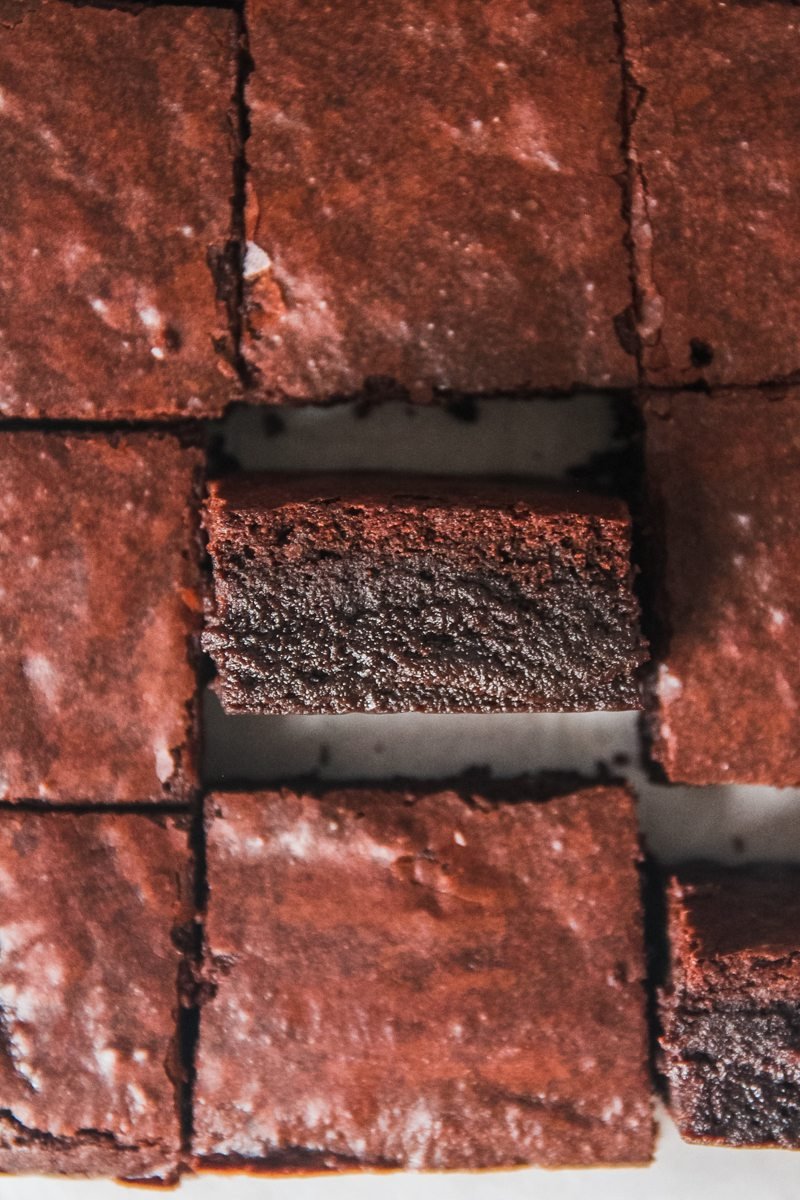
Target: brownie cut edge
(730, 1012)
(394, 594)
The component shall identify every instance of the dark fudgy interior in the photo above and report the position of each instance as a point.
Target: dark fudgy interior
(549, 624)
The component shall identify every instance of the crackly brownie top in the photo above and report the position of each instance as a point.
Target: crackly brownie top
(99, 601)
(376, 506)
(735, 932)
(89, 985)
(423, 980)
(723, 476)
(434, 196)
(715, 136)
(116, 159)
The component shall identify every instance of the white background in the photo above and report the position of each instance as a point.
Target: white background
(731, 824)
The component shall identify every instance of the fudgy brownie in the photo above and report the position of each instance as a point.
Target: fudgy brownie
(434, 197)
(428, 979)
(99, 606)
(92, 908)
(723, 477)
(731, 1011)
(715, 101)
(393, 594)
(116, 157)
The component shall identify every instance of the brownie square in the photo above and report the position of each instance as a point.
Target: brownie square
(723, 477)
(426, 978)
(116, 155)
(92, 908)
(731, 1010)
(99, 617)
(434, 197)
(715, 127)
(391, 594)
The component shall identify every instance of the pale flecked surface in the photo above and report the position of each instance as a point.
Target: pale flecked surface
(99, 602)
(116, 175)
(714, 137)
(425, 207)
(89, 992)
(723, 476)
(423, 981)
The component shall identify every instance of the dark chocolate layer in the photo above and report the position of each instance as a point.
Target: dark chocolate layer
(438, 981)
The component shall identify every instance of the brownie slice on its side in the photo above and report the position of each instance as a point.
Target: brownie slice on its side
(99, 618)
(431, 977)
(394, 594)
(714, 134)
(723, 484)
(116, 183)
(731, 1011)
(434, 198)
(93, 907)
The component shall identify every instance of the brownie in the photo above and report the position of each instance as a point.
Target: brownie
(434, 197)
(116, 156)
(99, 617)
(92, 907)
(731, 1010)
(715, 126)
(424, 979)
(723, 476)
(392, 594)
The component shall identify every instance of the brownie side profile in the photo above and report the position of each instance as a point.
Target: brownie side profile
(99, 618)
(723, 479)
(418, 980)
(730, 1013)
(715, 128)
(434, 197)
(92, 908)
(116, 161)
(392, 594)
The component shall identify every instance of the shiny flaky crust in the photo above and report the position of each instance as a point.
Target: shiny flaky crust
(116, 177)
(716, 124)
(435, 196)
(100, 609)
(422, 980)
(723, 477)
(89, 985)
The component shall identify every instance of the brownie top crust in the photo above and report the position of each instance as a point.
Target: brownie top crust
(89, 993)
(424, 980)
(714, 136)
(723, 481)
(116, 156)
(377, 495)
(99, 609)
(734, 932)
(434, 197)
